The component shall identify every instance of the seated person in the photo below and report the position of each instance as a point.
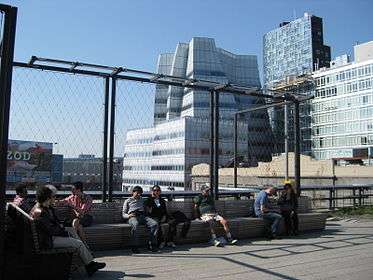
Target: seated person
(21, 199)
(134, 211)
(53, 234)
(288, 203)
(269, 215)
(81, 205)
(205, 209)
(156, 209)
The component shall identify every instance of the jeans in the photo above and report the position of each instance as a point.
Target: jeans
(63, 242)
(151, 224)
(273, 219)
(166, 235)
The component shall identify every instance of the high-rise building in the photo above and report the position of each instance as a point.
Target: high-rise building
(165, 153)
(342, 111)
(294, 48)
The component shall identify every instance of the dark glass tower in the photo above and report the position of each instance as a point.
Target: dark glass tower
(293, 49)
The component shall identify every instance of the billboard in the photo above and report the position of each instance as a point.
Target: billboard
(29, 161)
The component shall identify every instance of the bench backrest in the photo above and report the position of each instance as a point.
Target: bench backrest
(111, 212)
(27, 239)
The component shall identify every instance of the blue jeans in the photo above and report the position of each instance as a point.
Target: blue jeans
(273, 219)
(151, 224)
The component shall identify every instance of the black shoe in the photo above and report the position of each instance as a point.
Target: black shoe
(135, 250)
(153, 248)
(93, 266)
(269, 237)
(274, 236)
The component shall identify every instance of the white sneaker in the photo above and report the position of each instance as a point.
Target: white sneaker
(232, 241)
(161, 246)
(217, 243)
(171, 244)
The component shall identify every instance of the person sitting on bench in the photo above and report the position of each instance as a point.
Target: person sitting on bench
(21, 199)
(263, 210)
(288, 202)
(53, 234)
(134, 211)
(81, 205)
(205, 209)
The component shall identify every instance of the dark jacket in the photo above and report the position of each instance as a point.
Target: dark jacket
(47, 225)
(288, 203)
(153, 211)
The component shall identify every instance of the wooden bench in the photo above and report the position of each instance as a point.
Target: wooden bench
(24, 255)
(110, 231)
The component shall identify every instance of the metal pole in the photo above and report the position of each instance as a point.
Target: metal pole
(104, 152)
(286, 131)
(212, 100)
(112, 133)
(297, 147)
(235, 150)
(6, 72)
(216, 145)
(330, 199)
(334, 162)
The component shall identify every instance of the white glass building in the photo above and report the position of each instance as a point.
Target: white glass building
(180, 138)
(342, 111)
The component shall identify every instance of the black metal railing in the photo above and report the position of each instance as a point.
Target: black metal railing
(330, 197)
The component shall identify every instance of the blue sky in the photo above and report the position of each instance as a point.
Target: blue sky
(133, 33)
(67, 110)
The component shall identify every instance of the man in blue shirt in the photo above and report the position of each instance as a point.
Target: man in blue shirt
(263, 210)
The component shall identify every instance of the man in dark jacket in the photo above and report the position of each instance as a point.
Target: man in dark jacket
(288, 203)
(54, 234)
(157, 210)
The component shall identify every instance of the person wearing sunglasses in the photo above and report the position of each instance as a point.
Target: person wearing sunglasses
(157, 210)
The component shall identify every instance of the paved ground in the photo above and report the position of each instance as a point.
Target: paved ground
(343, 251)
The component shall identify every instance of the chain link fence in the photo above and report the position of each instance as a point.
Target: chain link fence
(56, 128)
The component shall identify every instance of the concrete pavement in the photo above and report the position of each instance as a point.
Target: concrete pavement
(343, 251)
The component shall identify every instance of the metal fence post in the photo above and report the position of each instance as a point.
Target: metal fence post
(334, 163)
(216, 145)
(104, 152)
(7, 54)
(235, 150)
(360, 196)
(331, 199)
(112, 134)
(297, 147)
(286, 131)
(212, 101)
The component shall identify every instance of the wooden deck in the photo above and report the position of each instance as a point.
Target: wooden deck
(343, 251)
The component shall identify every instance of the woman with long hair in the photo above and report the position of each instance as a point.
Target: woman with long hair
(288, 202)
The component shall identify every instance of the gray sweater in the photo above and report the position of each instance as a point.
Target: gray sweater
(132, 205)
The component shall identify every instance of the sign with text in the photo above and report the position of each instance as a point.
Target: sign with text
(29, 161)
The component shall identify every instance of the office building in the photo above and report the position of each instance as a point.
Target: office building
(164, 153)
(342, 111)
(88, 169)
(294, 48)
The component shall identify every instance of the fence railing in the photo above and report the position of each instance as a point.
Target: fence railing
(322, 197)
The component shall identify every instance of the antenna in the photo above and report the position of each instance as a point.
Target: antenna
(294, 14)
